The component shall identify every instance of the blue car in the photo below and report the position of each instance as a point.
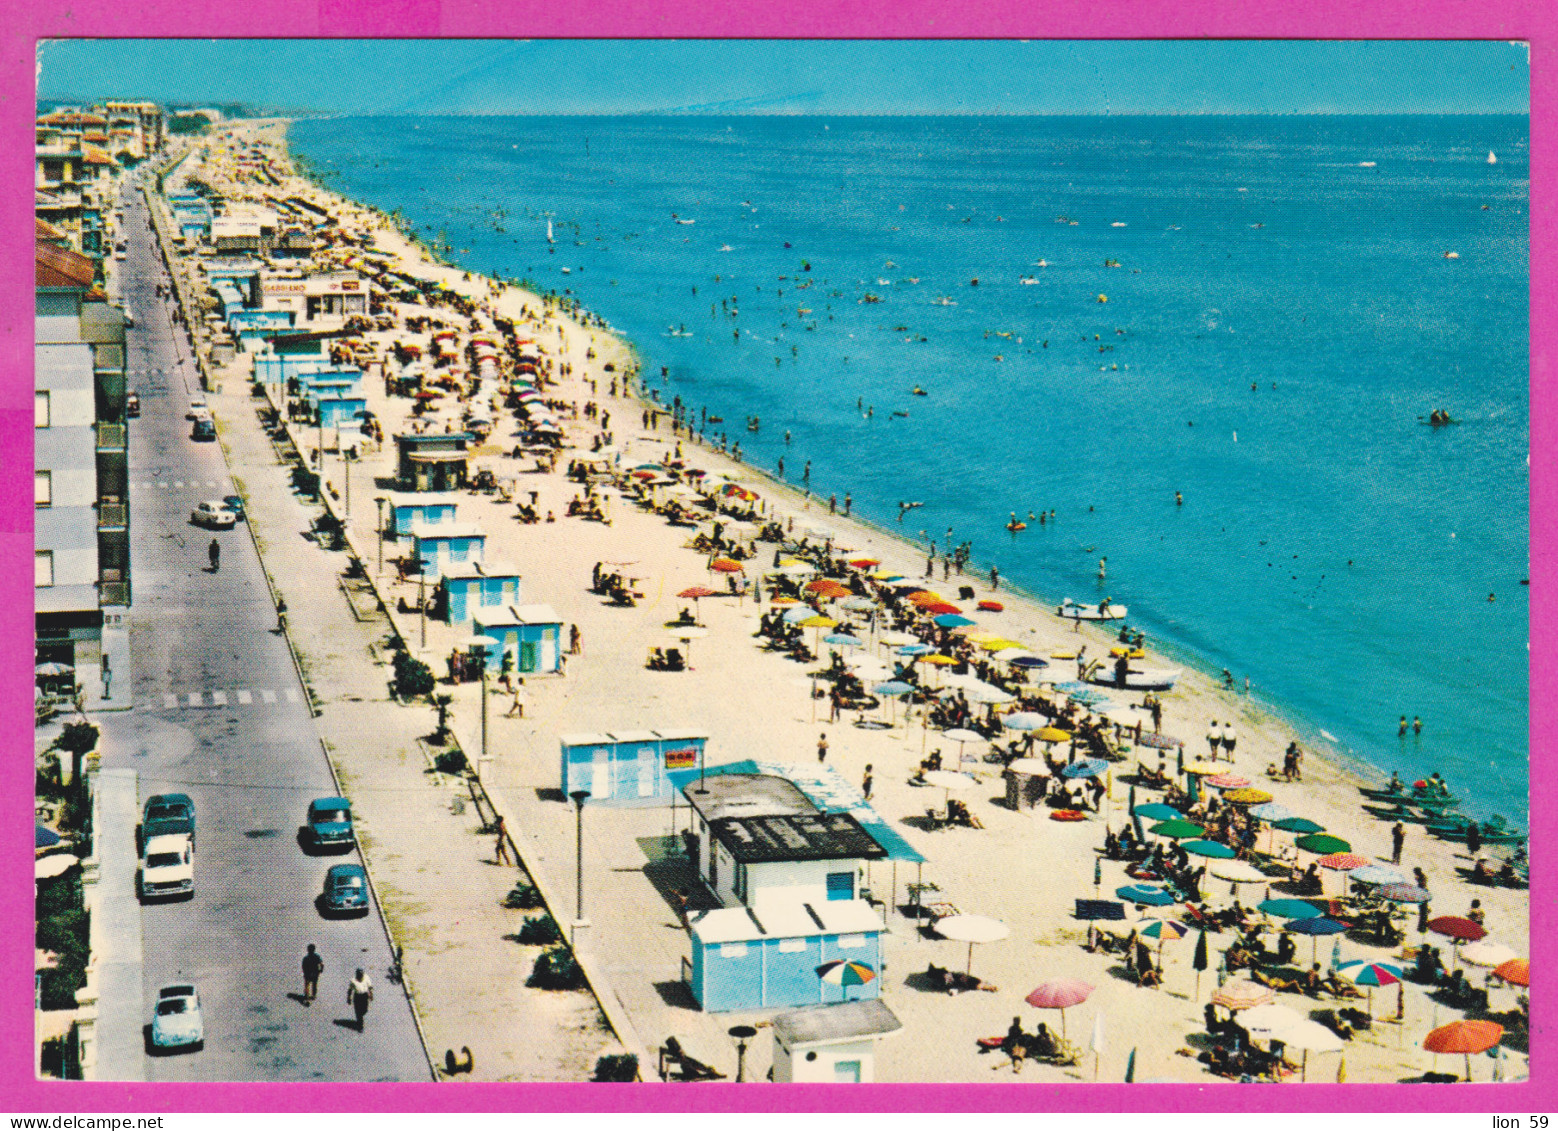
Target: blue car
(234, 503)
(346, 890)
(330, 824)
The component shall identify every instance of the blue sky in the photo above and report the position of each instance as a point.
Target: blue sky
(800, 77)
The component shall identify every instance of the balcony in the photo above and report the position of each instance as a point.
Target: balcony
(113, 593)
(111, 437)
(112, 516)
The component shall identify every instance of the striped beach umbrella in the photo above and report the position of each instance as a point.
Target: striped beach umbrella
(1240, 994)
(1403, 893)
(841, 973)
(1228, 781)
(1343, 861)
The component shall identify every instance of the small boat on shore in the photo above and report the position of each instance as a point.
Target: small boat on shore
(1136, 679)
(1491, 834)
(1070, 610)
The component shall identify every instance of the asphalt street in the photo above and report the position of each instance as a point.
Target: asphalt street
(222, 717)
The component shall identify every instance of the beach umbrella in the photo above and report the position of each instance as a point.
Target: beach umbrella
(924, 597)
(1199, 963)
(1403, 893)
(1247, 796)
(799, 613)
(1288, 909)
(1517, 971)
(1061, 994)
(984, 693)
(1228, 781)
(1361, 972)
(1322, 843)
(1177, 829)
(1486, 953)
(726, 565)
(953, 620)
(48, 867)
(1209, 848)
(858, 604)
(1268, 1021)
(1205, 770)
(1343, 861)
(1023, 720)
(998, 644)
(1164, 930)
(842, 973)
(843, 640)
(1314, 928)
(1053, 734)
(972, 929)
(695, 594)
(1156, 811)
(908, 584)
(1239, 994)
(1009, 655)
(44, 837)
(1085, 768)
(1308, 1036)
(1376, 874)
(960, 735)
(1453, 926)
(1070, 686)
(52, 667)
(1271, 813)
(1148, 895)
(1029, 662)
(937, 659)
(1464, 1037)
(863, 563)
(1160, 741)
(1130, 1067)
(1096, 1043)
(822, 584)
(1237, 872)
(817, 621)
(892, 689)
(894, 639)
(783, 602)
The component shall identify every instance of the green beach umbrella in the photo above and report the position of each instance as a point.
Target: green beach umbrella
(1289, 909)
(1209, 848)
(1177, 830)
(1200, 962)
(1298, 825)
(1323, 843)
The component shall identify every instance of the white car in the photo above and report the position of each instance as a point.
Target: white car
(198, 409)
(215, 514)
(168, 867)
(177, 1023)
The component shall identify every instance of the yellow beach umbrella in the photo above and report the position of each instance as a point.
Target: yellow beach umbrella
(1063, 655)
(1052, 734)
(1247, 796)
(998, 644)
(936, 658)
(783, 602)
(1203, 769)
(818, 622)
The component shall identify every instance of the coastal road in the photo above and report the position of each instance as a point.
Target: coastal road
(222, 717)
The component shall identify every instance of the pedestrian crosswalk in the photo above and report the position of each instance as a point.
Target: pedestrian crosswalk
(177, 484)
(245, 697)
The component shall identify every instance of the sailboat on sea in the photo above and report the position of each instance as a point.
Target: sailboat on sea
(1492, 158)
(549, 232)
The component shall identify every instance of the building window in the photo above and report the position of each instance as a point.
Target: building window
(40, 409)
(43, 569)
(42, 488)
(841, 885)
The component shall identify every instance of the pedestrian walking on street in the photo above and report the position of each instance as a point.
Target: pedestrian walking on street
(313, 966)
(1398, 837)
(822, 748)
(865, 783)
(359, 995)
(215, 553)
(500, 851)
(517, 707)
(679, 900)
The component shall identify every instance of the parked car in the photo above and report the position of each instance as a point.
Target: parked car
(203, 430)
(176, 1022)
(234, 503)
(168, 814)
(330, 823)
(213, 513)
(168, 866)
(346, 890)
(197, 406)
(132, 404)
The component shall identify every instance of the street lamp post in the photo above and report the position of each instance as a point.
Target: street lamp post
(481, 658)
(422, 603)
(580, 923)
(379, 501)
(347, 456)
(743, 1034)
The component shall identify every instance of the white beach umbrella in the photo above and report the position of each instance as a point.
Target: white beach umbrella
(1268, 1020)
(1237, 872)
(972, 929)
(1486, 952)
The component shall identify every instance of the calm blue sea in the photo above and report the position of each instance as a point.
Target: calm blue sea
(1281, 319)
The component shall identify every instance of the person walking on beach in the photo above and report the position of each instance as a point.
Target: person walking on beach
(1398, 838)
(500, 833)
(822, 748)
(1214, 737)
(833, 504)
(995, 579)
(517, 707)
(313, 966)
(849, 503)
(575, 641)
(865, 782)
(1157, 715)
(1230, 739)
(359, 995)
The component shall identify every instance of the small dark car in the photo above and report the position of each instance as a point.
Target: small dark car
(132, 404)
(203, 430)
(330, 823)
(346, 890)
(168, 813)
(234, 503)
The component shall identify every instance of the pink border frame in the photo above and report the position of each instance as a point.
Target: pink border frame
(1535, 21)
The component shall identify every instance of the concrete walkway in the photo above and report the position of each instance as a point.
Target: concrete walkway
(440, 893)
(116, 928)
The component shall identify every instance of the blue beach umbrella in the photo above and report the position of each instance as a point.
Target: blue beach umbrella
(1149, 895)
(844, 640)
(44, 837)
(1072, 687)
(1024, 720)
(913, 650)
(1288, 909)
(799, 613)
(1085, 768)
(1029, 662)
(892, 688)
(952, 620)
(1087, 696)
(1209, 848)
(1271, 812)
(858, 604)
(1319, 925)
(1157, 811)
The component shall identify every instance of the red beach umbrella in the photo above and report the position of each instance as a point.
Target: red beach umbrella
(941, 608)
(1464, 1037)
(822, 583)
(864, 563)
(1462, 930)
(695, 592)
(1061, 994)
(1517, 971)
(1343, 861)
(726, 565)
(991, 606)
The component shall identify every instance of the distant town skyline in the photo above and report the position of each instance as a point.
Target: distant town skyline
(822, 77)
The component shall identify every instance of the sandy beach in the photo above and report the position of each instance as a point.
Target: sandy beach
(1021, 867)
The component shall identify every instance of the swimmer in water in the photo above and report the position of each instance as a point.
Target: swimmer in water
(1179, 500)
(1101, 570)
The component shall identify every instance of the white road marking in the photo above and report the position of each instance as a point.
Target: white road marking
(178, 483)
(163, 485)
(267, 696)
(245, 698)
(219, 698)
(195, 699)
(292, 694)
(170, 701)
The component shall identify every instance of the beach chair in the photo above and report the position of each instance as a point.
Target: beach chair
(674, 1054)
